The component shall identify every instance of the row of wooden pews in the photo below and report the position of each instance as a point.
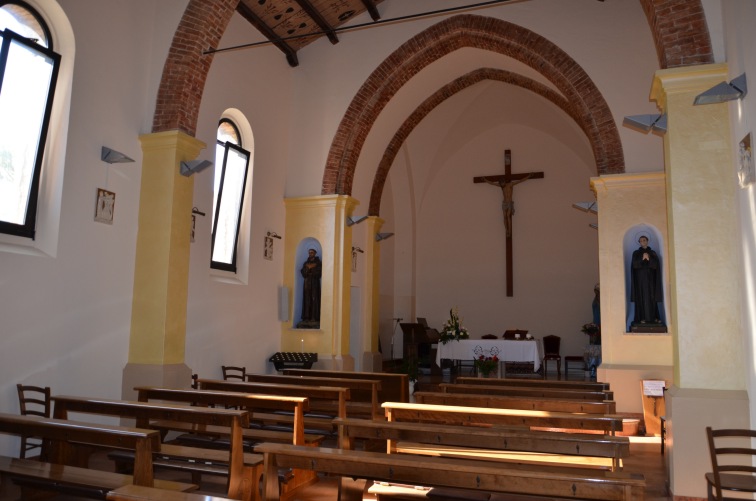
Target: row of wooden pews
(510, 458)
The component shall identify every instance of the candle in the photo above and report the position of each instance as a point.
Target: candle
(302, 345)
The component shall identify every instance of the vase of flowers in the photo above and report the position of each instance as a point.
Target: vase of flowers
(594, 333)
(453, 329)
(485, 366)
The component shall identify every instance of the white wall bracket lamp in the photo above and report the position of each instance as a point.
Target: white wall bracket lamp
(194, 166)
(112, 156)
(723, 92)
(645, 123)
(355, 220)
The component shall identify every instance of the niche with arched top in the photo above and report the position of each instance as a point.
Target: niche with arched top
(307, 284)
(644, 280)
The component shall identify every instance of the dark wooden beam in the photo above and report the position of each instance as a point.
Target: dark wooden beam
(267, 31)
(319, 20)
(372, 9)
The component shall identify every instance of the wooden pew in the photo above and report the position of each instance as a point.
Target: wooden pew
(481, 416)
(505, 444)
(361, 391)
(139, 493)
(394, 387)
(63, 470)
(537, 383)
(507, 402)
(489, 476)
(327, 394)
(297, 406)
(243, 469)
(516, 391)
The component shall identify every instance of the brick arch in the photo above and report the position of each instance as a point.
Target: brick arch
(680, 32)
(445, 93)
(478, 32)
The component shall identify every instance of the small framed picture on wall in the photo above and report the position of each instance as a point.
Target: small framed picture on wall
(746, 170)
(105, 206)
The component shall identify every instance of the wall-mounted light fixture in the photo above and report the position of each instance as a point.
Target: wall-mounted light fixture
(195, 212)
(268, 252)
(355, 220)
(355, 250)
(383, 236)
(591, 207)
(193, 166)
(645, 123)
(113, 157)
(723, 92)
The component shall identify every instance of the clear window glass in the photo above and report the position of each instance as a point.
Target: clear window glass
(28, 72)
(231, 169)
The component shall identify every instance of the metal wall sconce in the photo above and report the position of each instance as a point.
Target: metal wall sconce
(113, 157)
(355, 250)
(268, 249)
(383, 236)
(591, 207)
(194, 166)
(645, 123)
(355, 220)
(723, 92)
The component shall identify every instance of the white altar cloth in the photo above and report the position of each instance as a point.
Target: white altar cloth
(509, 351)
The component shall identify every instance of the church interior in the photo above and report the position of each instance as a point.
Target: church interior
(391, 140)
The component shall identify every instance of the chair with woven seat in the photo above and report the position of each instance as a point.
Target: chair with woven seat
(32, 401)
(732, 462)
(231, 372)
(551, 345)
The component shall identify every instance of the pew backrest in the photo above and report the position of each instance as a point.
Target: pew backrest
(537, 383)
(394, 387)
(517, 391)
(511, 402)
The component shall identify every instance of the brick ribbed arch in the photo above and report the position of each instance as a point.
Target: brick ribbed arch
(478, 32)
(445, 93)
(678, 27)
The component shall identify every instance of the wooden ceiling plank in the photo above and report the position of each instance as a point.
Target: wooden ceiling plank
(267, 31)
(372, 9)
(319, 20)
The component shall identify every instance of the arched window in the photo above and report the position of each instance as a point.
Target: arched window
(231, 170)
(28, 75)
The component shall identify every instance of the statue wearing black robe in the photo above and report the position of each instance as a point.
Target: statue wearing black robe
(311, 271)
(646, 287)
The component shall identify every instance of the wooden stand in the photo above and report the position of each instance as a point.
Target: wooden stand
(652, 395)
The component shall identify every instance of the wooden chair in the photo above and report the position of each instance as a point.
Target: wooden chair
(551, 345)
(231, 372)
(32, 401)
(732, 460)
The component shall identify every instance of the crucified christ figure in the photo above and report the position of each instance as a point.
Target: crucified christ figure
(507, 205)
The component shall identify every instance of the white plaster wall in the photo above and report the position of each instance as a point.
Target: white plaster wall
(66, 319)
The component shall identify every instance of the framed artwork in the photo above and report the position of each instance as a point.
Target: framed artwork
(746, 170)
(268, 251)
(104, 206)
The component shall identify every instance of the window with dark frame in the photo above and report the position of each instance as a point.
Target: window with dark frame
(28, 75)
(231, 169)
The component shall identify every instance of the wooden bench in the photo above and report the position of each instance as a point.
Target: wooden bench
(516, 391)
(363, 392)
(488, 476)
(243, 469)
(537, 383)
(504, 444)
(297, 406)
(481, 416)
(509, 402)
(338, 396)
(139, 493)
(394, 387)
(63, 470)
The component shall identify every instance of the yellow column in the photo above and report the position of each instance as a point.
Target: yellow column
(709, 377)
(161, 276)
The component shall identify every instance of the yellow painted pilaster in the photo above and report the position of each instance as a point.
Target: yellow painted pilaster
(161, 277)
(372, 283)
(322, 218)
(702, 217)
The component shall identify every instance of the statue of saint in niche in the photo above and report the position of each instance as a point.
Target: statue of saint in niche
(311, 271)
(646, 284)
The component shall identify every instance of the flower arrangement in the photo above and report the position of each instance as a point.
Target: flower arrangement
(593, 331)
(453, 329)
(486, 364)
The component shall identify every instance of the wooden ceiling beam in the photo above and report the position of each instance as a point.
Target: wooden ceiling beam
(319, 20)
(267, 31)
(372, 9)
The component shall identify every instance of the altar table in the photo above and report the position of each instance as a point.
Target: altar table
(509, 350)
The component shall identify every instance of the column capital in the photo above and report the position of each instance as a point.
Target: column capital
(685, 79)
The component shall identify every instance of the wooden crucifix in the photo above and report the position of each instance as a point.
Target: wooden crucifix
(507, 183)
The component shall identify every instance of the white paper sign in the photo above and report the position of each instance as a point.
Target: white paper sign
(653, 388)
